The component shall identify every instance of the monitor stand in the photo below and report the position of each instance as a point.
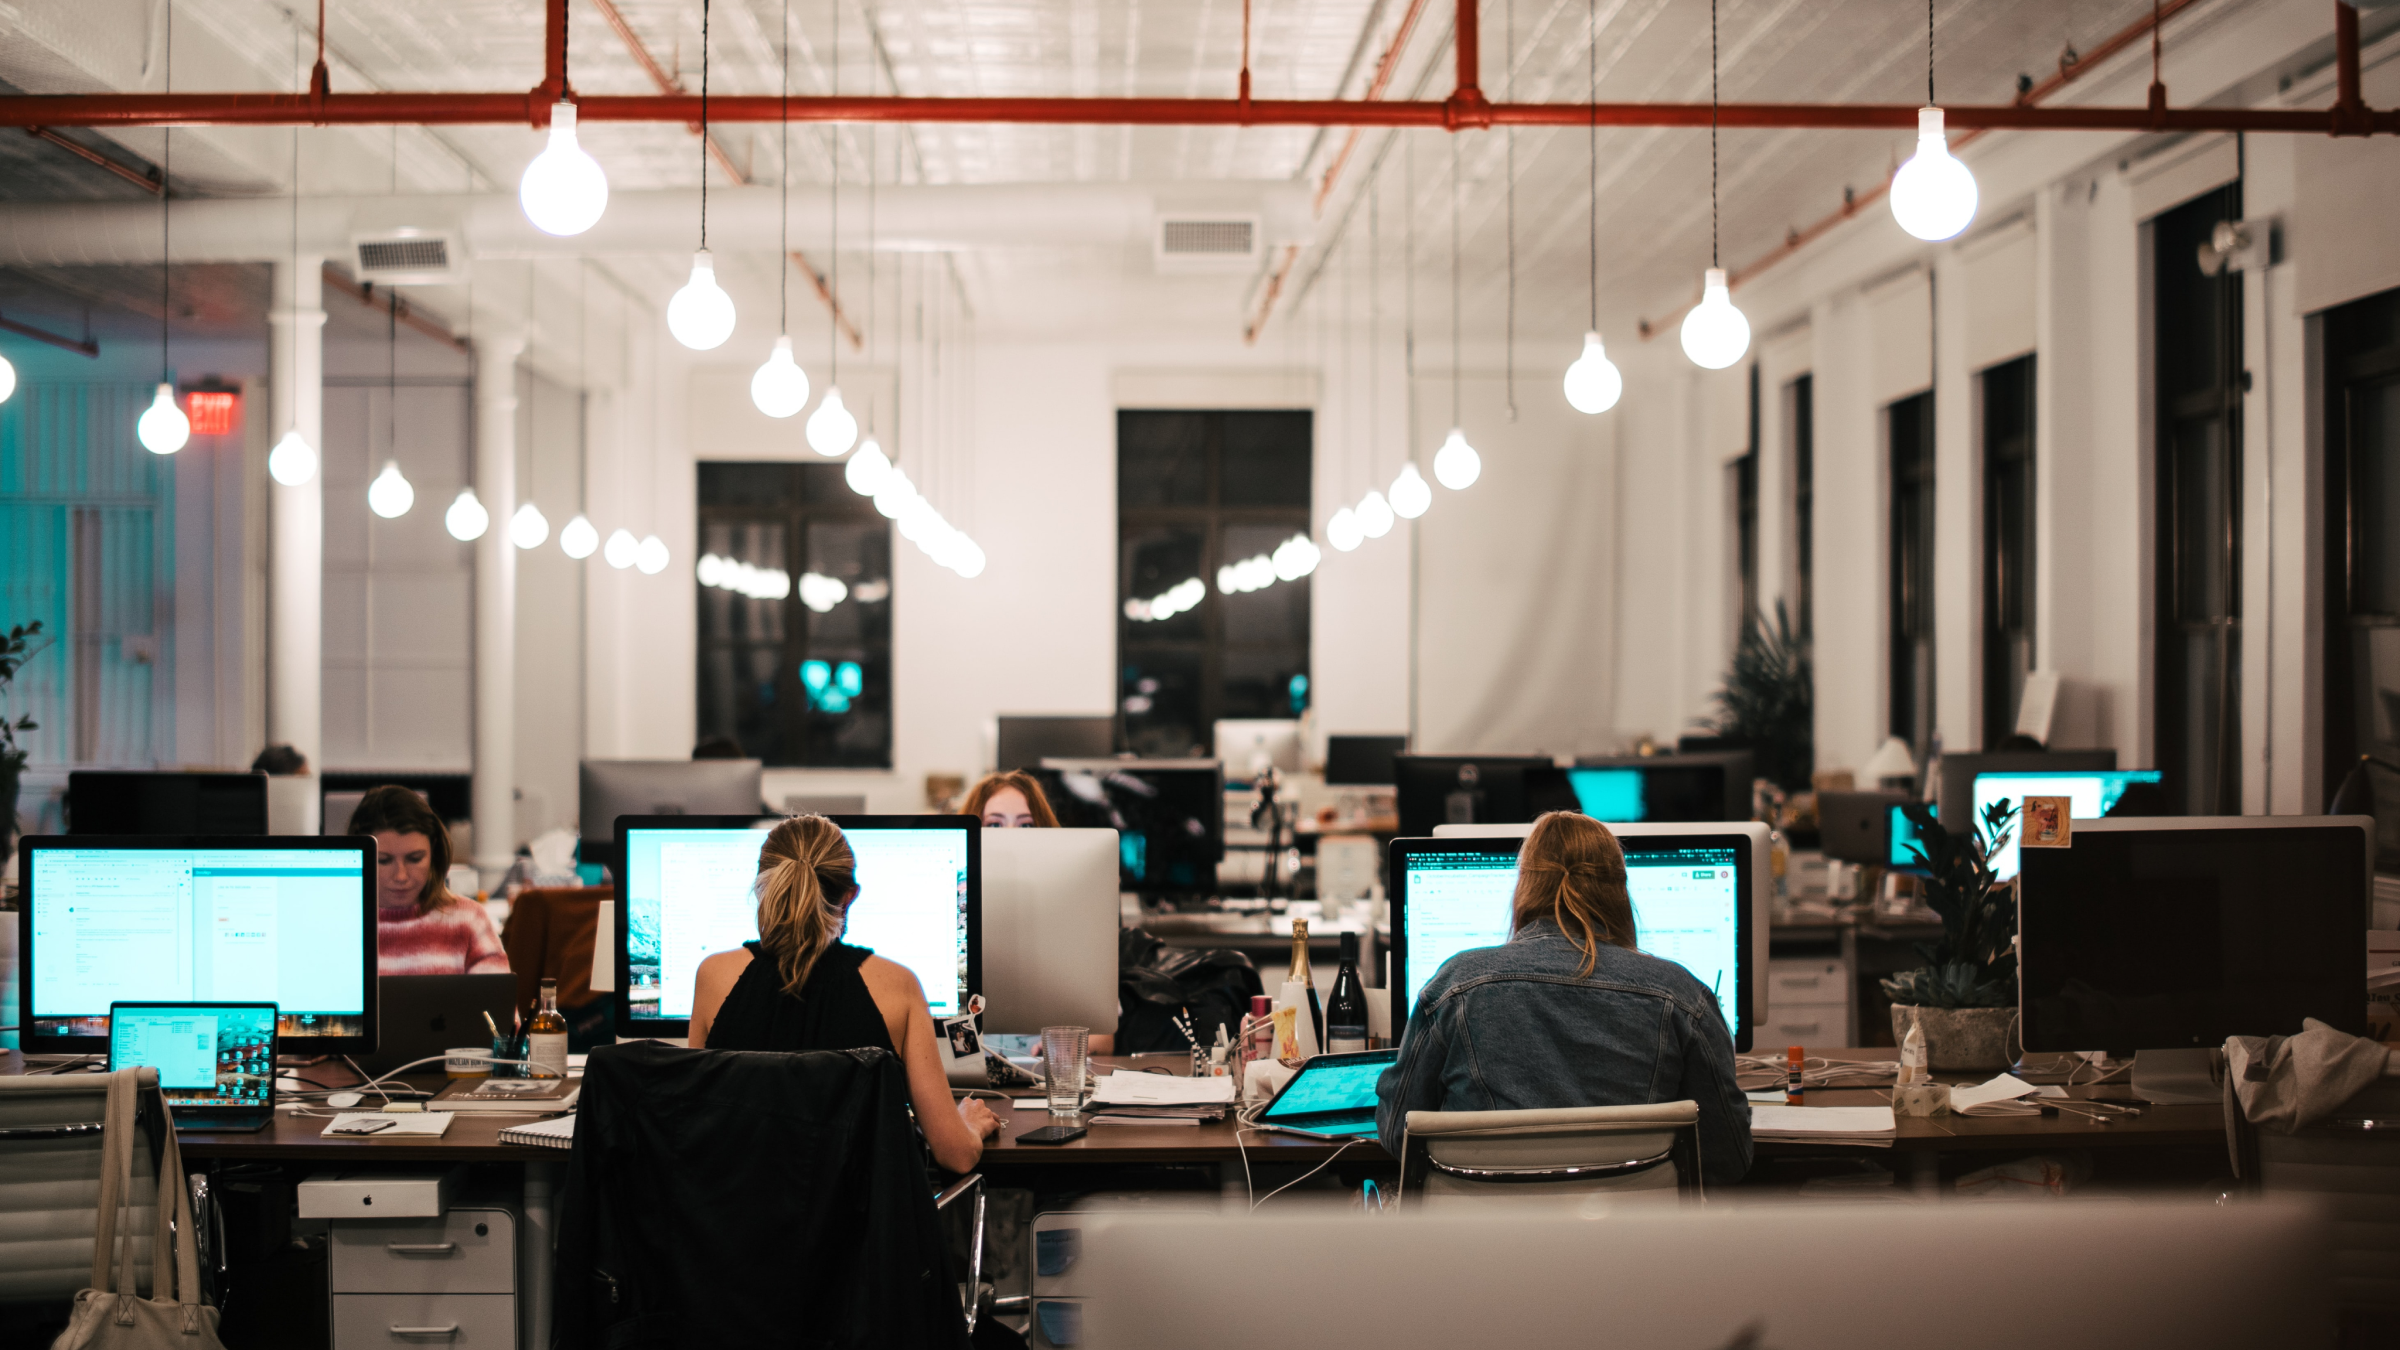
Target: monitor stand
(2176, 1077)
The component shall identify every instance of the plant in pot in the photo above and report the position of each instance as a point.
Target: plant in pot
(1964, 997)
(1768, 701)
(16, 649)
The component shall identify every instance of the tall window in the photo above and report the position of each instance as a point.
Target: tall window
(795, 582)
(1745, 519)
(1800, 408)
(2198, 341)
(1908, 427)
(2007, 544)
(2362, 534)
(1199, 636)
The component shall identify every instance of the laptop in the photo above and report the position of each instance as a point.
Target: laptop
(425, 1015)
(215, 1061)
(1330, 1097)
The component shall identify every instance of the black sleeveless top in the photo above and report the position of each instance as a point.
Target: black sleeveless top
(833, 1011)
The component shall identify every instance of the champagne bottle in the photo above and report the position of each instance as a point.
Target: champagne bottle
(1307, 978)
(1346, 1006)
(546, 1037)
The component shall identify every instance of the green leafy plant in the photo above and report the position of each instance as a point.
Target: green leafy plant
(1769, 700)
(1975, 963)
(23, 642)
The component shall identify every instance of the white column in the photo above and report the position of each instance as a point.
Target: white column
(296, 558)
(495, 604)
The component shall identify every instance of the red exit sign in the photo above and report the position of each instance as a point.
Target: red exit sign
(213, 413)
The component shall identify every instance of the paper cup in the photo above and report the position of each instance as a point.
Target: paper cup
(469, 1061)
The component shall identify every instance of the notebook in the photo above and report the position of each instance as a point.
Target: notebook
(556, 1132)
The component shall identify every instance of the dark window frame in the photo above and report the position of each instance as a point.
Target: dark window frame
(1800, 411)
(2361, 346)
(1909, 436)
(2009, 527)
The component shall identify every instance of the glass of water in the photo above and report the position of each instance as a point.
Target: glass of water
(1066, 1052)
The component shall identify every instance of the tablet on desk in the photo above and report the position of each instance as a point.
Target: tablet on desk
(1330, 1097)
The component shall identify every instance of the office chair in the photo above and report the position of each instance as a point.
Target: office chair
(1566, 1154)
(52, 1131)
(2349, 1164)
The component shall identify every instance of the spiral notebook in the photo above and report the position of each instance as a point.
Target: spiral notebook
(555, 1132)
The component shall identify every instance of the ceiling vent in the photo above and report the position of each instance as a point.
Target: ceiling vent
(408, 258)
(1207, 243)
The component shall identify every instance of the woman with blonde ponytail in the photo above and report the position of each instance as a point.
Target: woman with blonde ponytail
(1569, 1011)
(800, 987)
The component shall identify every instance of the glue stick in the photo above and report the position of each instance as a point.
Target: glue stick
(1793, 1092)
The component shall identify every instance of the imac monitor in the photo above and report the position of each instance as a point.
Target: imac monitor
(1024, 742)
(1050, 929)
(1362, 761)
(686, 893)
(610, 788)
(1907, 842)
(1477, 790)
(1169, 815)
(1856, 827)
(287, 921)
(1694, 903)
(1956, 785)
(215, 1061)
(1246, 747)
(1704, 785)
(2091, 795)
(108, 801)
(2170, 935)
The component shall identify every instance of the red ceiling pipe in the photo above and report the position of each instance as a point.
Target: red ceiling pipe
(554, 84)
(1467, 106)
(2350, 114)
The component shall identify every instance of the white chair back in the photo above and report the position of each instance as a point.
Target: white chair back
(1563, 1154)
(51, 1132)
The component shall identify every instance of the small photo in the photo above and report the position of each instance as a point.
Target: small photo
(963, 1040)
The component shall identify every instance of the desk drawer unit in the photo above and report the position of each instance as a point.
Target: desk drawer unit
(425, 1321)
(1808, 1003)
(467, 1251)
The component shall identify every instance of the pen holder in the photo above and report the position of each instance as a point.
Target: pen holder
(503, 1049)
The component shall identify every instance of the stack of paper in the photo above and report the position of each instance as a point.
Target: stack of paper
(1869, 1125)
(1158, 1089)
(2006, 1095)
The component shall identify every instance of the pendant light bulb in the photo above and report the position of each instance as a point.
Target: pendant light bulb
(651, 555)
(701, 314)
(1374, 515)
(895, 494)
(970, 560)
(8, 379)
(780, 387)
(1456, 465)
(1593, 383)
(293, 461)
(390, 496)
(1410, 493)
(563, 190)
(163, 428)
(578, 540)
(831, 428)
(466, 519)
(1933, 195)
(528, 527)
(1715, 334)
(621, 550)
(867, 469)
(1342, 530)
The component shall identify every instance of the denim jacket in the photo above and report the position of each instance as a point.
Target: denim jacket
(1519, 1027)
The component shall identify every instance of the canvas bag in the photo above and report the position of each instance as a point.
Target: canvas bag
(113, 1317)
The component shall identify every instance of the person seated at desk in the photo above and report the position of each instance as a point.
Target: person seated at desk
(1569, 1012)
(1011, 800)
(800, 987)
(420, 927)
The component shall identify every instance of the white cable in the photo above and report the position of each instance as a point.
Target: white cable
(1294, 1181)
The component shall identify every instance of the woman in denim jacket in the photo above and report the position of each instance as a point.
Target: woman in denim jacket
(1568, 1012)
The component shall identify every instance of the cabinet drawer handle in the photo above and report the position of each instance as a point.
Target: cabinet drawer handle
(420, 1248)
(450, 1331)
(1799, 981)
(1801, 1026)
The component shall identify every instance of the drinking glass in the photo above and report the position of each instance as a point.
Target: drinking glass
(1066, 1051)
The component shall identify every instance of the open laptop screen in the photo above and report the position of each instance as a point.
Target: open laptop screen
(1332, 1094)
(206, 1054)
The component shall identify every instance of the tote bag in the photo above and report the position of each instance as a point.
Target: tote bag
(110, 1316)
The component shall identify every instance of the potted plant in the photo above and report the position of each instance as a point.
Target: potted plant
(1964, 997)
(15, 650)
(1768, 701)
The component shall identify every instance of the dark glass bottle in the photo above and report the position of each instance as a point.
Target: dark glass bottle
(1346, 1007)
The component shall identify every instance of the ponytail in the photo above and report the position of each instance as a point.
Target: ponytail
(1571, 871)
(805, 877)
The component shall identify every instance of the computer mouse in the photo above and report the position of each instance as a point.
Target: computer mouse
(343, 1101)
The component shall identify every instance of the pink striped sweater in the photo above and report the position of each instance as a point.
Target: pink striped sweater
(454, 939)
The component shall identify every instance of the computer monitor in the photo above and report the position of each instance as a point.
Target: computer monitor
(1906, 841)
(1956, 785)
(1246, 746)
(1856, 827)
(1169, 815)
(686, 893)
(1477, 790)
(1702, 785)
(1049, 929)
(1024, 742)
(287, 920)
(662, 787)
(2091, 795)
(1699, 899)
(451, 795)
(128, 802)
(1362, 761)
(2167, 936)
(208, 1055)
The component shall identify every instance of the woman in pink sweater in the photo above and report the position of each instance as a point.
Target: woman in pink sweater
(420, 927)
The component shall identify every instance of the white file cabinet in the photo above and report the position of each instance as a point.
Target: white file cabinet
(1808, 1004)
(425, 1283)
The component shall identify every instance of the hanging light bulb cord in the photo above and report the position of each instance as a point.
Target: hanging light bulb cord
(833, 248)
(704, 126)
(783, 263)
(1929, 53)
(1457, 190)
(1713, 259)
(166, 174)
(1509, 89)
(1592, 151)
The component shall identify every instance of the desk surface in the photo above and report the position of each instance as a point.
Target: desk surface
(475, 1136)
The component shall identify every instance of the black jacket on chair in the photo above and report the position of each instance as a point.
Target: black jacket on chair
(730, 1199)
